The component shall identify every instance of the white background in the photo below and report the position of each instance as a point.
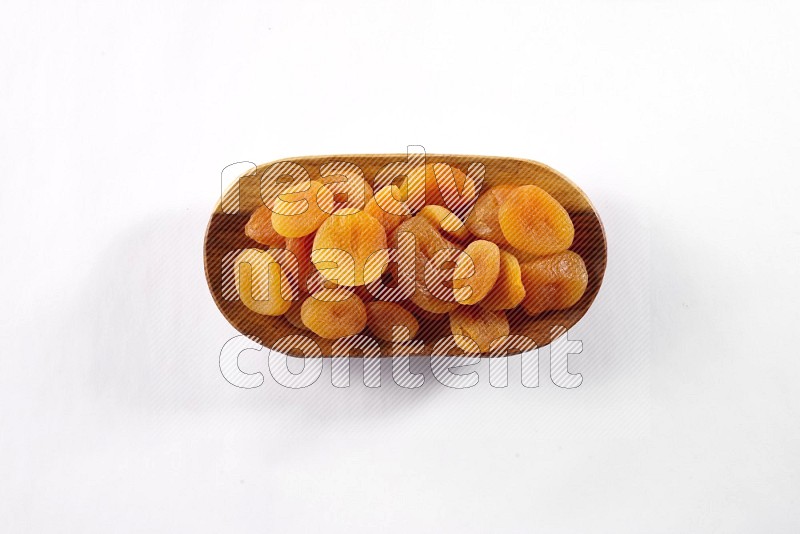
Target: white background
(681, 120)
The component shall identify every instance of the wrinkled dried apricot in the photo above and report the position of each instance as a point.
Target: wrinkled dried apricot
(424, 316)
(334, 319)
(301, 208)
(483, 220)
(508, 291)
(424, 297)
(347, 183)
(259, 228)
(479, 324)
(428, 239)
(441, 185)
(357, 234)
(553, 282)
(476, 271)
(533, 221)
(521, 255)
(386, 207)
(446, 221)
(354, 192)
(301, 248)
(428, 242)
(382, 317)
(262, 284)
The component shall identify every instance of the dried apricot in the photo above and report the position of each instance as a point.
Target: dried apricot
(334, 319)
(386, 207)
(554, 282)
(533, 221)
(351, 193)
(424, 297)
(382, 317)
(445, 220)
(440, 184)
(360, 236)
(262, 284)
(428, 242)
(476, 271)
(428, 239)
(301, 248)
(508, 291)
(521, 255)
(301, 208)
(259, 228)
(483, 220)
(346, 181)
(479, 324)
(424, 315)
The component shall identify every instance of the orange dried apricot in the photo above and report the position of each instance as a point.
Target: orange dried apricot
(554, 282)
(259, 228)
(386, 207)
(479, 324)
(360, 236)
(440, 184)
(428, 242)
(262, 284)
(301, 208)
(352, 193)
(521, 255)
(508, 291)
(483, 220)
(476, 271)
(346, 181)
(424, 297)
(424, 315)
(301, 248)
(533, 221)
(382, 317)
(428, 239)
(334, 319)
(445, 220)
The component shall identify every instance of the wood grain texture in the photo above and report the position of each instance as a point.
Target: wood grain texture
(225, 233)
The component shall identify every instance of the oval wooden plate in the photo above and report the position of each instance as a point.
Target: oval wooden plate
(225, 234)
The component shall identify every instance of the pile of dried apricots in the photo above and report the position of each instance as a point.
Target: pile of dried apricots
(342, 259)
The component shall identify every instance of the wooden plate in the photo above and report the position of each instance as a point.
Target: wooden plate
(225, 235)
